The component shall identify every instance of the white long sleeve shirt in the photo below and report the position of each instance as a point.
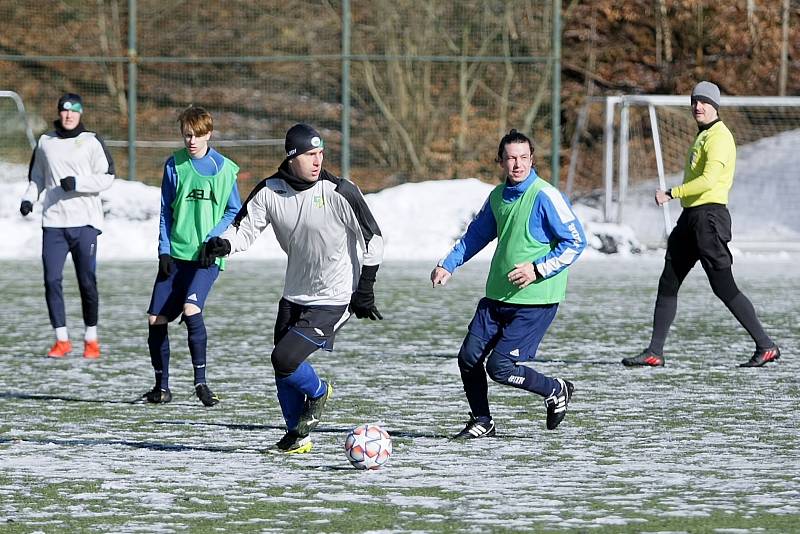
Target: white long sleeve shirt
(321, 228)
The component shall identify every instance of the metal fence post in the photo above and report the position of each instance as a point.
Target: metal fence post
(346, 89)
(132, 83)
(555, 106)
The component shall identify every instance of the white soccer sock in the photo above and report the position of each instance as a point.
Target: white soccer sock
(61, 333)
(91, 333)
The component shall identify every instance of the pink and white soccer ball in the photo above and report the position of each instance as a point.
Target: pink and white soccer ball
(368, 446)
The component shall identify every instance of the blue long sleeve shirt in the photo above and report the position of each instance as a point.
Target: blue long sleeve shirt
(551, 221)
(208, 165)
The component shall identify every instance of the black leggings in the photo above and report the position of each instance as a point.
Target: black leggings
(724, 287)
(722, 283)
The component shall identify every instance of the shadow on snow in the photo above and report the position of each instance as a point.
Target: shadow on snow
(318, 430)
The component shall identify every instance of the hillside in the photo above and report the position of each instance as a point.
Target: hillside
(412, 119)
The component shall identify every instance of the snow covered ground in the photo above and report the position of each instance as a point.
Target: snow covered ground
(420, 221)
(697, 446)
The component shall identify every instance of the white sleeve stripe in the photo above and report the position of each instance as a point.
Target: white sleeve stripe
(564, 213)
(566, 259)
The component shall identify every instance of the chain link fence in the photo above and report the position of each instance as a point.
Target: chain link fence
(431, 85)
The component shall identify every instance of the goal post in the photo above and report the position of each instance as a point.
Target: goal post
(642, 142)
(16, 133)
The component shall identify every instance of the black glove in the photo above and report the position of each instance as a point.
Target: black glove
(26, 207)
(213, 249)
(68, 183)
(362, 303)
(165, 266)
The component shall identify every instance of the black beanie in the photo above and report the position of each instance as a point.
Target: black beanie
(300, 139)
(70, 101)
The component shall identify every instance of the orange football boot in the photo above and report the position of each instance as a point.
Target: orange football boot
(91, 349)
(60, 349)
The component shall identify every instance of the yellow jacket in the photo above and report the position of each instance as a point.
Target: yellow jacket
(708, 175)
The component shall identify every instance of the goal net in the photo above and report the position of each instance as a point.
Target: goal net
(624, 147)
(16, 137)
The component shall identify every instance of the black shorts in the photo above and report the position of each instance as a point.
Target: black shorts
(316, 324)
(302, 330)
(701, 233)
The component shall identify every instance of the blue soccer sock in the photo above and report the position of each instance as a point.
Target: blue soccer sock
(306, 380)
(158, 343)
(293, 390)
(198, 340)
(291, 401)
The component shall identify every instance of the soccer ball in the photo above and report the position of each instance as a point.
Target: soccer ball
(368, 446)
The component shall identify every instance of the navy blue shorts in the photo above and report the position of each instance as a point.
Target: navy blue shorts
(188, 284)
(513, 330)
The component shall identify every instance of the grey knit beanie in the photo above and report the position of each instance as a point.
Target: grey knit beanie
(706, 92)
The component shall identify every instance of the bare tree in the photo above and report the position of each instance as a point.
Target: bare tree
(109, 44)
(698, 51)
(783, 73)
(396, 88)
(470, 73)
(664, 33)
(508, 72)
(751, 22)
(531, 114)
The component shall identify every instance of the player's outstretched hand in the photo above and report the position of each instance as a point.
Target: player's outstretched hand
(212, 249)
(439, 276)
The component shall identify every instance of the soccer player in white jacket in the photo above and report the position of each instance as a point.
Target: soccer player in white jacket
(321, 221)
(71, 165)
